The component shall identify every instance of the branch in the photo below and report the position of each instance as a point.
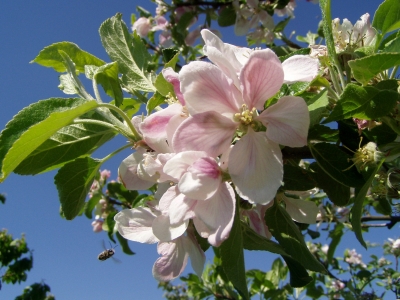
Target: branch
(393, 220)
(113, 201)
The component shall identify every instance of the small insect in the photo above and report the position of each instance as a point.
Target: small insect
(107, 253)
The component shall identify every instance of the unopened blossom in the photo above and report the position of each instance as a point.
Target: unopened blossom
(97, 225)
(325, 248)
(256, 220)
(349, 37)
(142, 26)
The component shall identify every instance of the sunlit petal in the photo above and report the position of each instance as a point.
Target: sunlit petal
(287, 121)
(300, 68)
(261, 78)
(210, 132)
(255, 166)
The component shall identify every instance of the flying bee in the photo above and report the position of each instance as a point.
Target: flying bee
(107, 253)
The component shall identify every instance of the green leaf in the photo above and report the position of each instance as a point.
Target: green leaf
(285, 231)
(110, 222)
(91, 204)
(232, 257)
(323, 133)
(386, 17)
(297, 179)
(298, 274)
(107, 76)
(338, 193)
(50, 57)
(393, 46)
(67, 85)
(227, 16)
(162, 85)
(254, 241)
(67, 144)
(154, 101)
(34, 125)
(281, 25)
(357, 209)
(366, 103)
(124, 244)
(334, 162)
(366, 68)
(73, 183)
(336, 235)
(130, 53)
(130, 106)
(317, 107)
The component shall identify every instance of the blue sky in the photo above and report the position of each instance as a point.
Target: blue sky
(65, 252)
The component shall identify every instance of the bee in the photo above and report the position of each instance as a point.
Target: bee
(107, 253)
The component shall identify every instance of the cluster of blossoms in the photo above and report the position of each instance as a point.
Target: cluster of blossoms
(353, 258)
(348, 37)
(215, 142)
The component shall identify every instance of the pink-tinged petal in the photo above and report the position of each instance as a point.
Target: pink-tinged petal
(287, 121)
(136, 225)
(161, 189)
(206, 88)
(165, 231)
(300, 68)
(209, 132)
(202, 179)
(224, 159)
(196, 254)
(154, 128)
(172, 262)
(179, 164)
(172, 77)
(255, 166)
(217, 214)
(181, 209)
(261, 78)
(266, 19)
(256, 219)
(301, 211)
(128, 173)
(222, 54)
(167, 198)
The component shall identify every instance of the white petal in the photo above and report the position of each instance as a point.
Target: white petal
(261, 78)
(255, 166)
(178, 165)
(136, 224)
(287, 121)
(301, 211)
(205, 87)
(181, 209)
(165, 231)
(300, 68)
(128, 172)
(208, 131)
(217, 214)
(154, 128)
(197, 256)
(172, 262)
(202, 179)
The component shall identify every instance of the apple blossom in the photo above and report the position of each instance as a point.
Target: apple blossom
(349, 37)
(226, 98)
(137, 225)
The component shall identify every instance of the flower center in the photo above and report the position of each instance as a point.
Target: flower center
(246, 116)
